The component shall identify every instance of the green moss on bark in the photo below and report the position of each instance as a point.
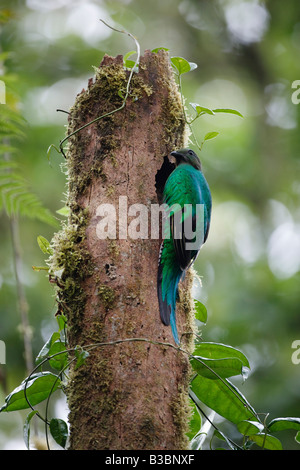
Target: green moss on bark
(70, 265)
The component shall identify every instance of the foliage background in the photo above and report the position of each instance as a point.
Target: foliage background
(248, 57)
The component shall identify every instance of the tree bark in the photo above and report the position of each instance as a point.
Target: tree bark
(128, 394)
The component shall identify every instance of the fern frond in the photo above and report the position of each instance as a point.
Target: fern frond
(17, 198)
(10, 129)
(4, 149)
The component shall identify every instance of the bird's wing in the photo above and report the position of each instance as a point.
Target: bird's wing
(184, 256)
(188, 187)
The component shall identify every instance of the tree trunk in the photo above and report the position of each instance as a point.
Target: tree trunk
(128, 394)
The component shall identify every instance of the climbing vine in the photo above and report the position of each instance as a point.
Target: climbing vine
(129, 64)
(213, 365)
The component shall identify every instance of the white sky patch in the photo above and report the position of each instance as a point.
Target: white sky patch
(42, 5)
(56, 19)
(280, 110)
(284, 250)
(247, 240)
(247, 21)
(233, 224)
(41, 103)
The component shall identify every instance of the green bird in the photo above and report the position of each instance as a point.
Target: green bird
(187, 200)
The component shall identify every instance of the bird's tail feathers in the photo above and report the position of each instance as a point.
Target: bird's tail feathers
(167, 296)
(173, 326)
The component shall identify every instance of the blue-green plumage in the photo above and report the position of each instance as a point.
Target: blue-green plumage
(188, 202)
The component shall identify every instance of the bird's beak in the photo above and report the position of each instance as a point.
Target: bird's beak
(178, 157)
(175, 154)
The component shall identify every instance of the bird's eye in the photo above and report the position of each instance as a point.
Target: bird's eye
(190, 152)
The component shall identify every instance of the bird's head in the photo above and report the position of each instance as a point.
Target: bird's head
(187, 156)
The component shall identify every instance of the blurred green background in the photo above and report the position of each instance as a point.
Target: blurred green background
(248, 58)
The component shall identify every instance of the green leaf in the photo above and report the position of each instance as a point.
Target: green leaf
(228, 111)
(195, 422)
(129, 54)
(193, 66)
(53, 347)
(81, 355)
(38, 388)
(248, 428)
(224, 398)
(65, 211)
(52, 146)
(26, 428)
(44, 245)
(281, 424)
(45, 351)
(206, 425)
(210, 135)
(201, 109)
(129, 64)
(157, 49)
(200, 311)
(59, 431)
(266, 441)
(62, 322)
(219, 351)
(216, 368)
(220, 435)
(182, 65)
(60, 359)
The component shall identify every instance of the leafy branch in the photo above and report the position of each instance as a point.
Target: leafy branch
(16, 197)
(213, 364)
(182, 66)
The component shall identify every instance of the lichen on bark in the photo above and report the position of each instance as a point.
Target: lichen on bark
(131, 395)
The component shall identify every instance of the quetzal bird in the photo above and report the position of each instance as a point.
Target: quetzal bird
(187, 200)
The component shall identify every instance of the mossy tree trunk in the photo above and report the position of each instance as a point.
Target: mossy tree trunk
(128, 395)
